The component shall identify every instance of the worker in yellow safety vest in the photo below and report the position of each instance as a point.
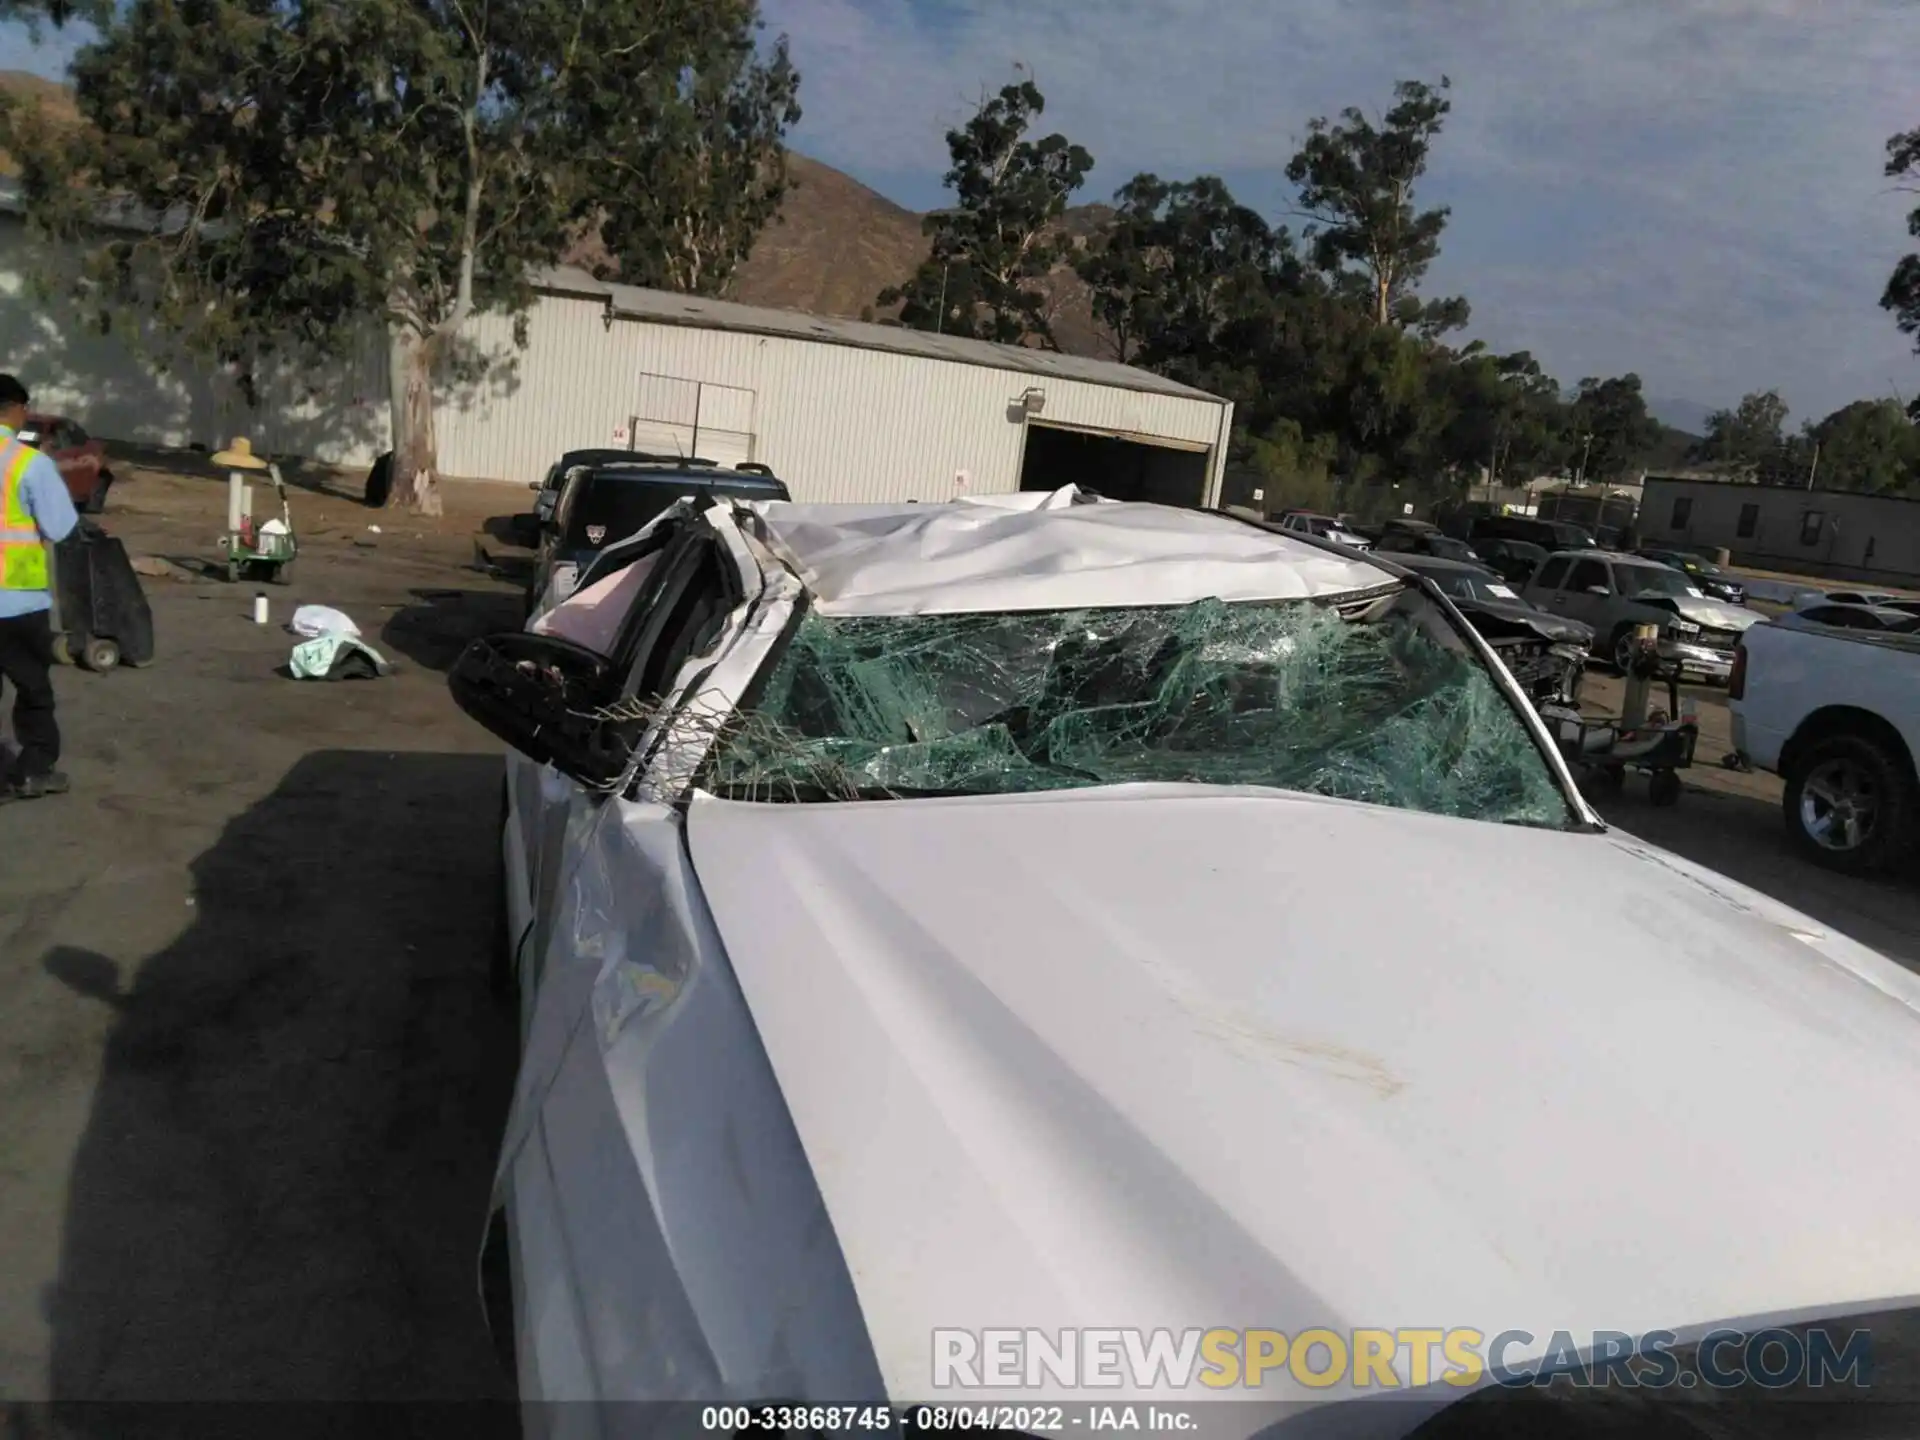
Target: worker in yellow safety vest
(35, 511)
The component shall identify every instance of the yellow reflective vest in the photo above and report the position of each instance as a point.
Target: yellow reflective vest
(23, 558)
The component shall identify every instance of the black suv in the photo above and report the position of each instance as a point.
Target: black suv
(1711, 579)
(606, 500)
(1548, 534)
(546, 493)
(1401, 538)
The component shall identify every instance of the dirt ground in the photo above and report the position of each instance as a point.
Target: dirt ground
(251, 1080)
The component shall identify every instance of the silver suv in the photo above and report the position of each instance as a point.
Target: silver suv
(1613, 593)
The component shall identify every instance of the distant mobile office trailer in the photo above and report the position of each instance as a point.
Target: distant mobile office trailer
(1832, 534)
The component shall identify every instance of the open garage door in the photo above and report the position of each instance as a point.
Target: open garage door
(1120, 467)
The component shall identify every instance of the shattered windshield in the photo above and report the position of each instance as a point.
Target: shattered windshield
(1389, 708)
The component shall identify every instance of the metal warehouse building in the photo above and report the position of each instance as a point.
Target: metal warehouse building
(839, 409)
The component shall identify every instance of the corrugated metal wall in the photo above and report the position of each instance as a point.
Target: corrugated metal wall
(836, 422)
(339, 416)
(103, 382)
(145, 392)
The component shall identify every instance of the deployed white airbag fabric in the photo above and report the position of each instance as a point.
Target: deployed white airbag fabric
(592, 617)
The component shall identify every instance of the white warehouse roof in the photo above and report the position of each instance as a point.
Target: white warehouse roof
(665, 307)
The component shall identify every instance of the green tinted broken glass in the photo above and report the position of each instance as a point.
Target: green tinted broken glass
(1390, 709)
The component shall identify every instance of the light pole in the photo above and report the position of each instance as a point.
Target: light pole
(1586, 449)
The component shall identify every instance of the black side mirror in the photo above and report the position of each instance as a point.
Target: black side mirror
(545, 698)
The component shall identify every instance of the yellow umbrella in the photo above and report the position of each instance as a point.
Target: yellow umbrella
(239, 456)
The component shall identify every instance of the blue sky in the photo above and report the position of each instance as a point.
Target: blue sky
(1690, 189)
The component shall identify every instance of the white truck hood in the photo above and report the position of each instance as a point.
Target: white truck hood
(1155, 1056)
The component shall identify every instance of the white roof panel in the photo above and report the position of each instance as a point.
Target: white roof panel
(666, 307)
(1041, 552)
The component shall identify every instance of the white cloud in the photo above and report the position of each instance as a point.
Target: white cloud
(1687, 188)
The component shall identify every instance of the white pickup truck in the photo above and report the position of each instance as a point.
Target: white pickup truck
(1836, 714)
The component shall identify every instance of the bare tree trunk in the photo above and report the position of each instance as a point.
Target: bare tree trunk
(416, 453)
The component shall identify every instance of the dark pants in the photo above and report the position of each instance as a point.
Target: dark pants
(26, 663)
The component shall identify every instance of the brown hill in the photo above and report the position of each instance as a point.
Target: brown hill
(836, 245)
(55, 99)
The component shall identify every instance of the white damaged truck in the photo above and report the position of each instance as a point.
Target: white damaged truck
(1836, 714)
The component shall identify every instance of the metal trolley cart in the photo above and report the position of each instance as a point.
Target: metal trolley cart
(1657, 743)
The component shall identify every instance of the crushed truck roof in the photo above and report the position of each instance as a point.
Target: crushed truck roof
(1042, 552)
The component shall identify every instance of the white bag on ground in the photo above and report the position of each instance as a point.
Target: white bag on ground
(337, 657)
(317, 620)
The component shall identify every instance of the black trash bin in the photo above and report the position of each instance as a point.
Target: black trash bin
(101, 617)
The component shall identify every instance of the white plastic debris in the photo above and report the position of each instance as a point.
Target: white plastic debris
(314, 621)
(374, 528)
(337, 657)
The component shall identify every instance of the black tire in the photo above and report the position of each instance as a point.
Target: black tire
(379, 483)
(1875, 785)
(1621, 637)
(1663, 788)
(101, 655)
(62, 650)
(234, 571)
(281, 574)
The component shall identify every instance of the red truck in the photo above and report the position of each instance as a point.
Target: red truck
(81, 458)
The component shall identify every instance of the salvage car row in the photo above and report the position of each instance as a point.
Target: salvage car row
(1838, 721)
(933, 918)
(1698, 611)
